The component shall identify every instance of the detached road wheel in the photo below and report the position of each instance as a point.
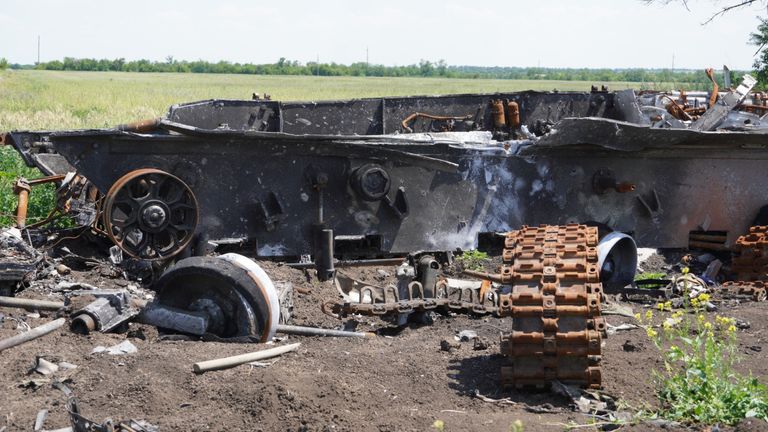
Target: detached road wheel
(233, 291)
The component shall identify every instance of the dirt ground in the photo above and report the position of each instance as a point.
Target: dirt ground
(396, 381)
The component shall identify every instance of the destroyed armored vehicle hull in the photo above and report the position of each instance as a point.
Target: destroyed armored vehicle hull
(376, 177)
(555, 182)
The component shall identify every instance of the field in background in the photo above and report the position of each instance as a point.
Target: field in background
(50, 100)
(64, 100)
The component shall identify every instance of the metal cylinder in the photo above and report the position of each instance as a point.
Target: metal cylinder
(617, 260)
(325, 269)
(497, 113)
(428, 269)
(513, 117)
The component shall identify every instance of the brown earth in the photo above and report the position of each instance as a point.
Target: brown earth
(398, 381)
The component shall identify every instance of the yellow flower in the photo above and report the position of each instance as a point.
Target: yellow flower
(651, 332)
(685, 270)
(732, 329)
(677, 315)
(648, 314)
(695, 302)
(638, 316)
(700, 317)
(708, 325)
(704, 297)
(667, 324)
(660, 306)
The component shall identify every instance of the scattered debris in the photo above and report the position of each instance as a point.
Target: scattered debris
(449, 346)
(466, 335)
(31, 334)
(480, 344)
(44, 367)
(311, 331)
(31, 304)
(125, 347)
(111, 309)
(228, 362)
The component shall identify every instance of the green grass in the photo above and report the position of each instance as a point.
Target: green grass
(64, 100)
(52, 100)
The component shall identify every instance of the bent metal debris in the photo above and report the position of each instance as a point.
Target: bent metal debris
(564, 185)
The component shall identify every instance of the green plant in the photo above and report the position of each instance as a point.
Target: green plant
(473, 260)
(699, 383)
(42, 199)
(650, 276)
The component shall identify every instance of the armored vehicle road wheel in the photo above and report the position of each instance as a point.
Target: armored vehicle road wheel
(150, 214)
(232, 295)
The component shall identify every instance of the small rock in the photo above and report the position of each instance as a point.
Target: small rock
(63, 270)
(480, 344)
(711, 307)
(743, 325)
(449, 346)
(467, 335)
(629, 346)
(755, 348)
(383, 274)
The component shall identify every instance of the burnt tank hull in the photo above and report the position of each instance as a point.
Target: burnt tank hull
(272, 173)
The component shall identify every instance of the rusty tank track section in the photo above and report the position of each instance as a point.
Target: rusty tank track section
(555, 306)
(549, 284)
(750, 265)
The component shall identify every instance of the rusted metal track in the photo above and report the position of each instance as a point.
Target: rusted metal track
(750, 264)
(555, 305)
(549, 285)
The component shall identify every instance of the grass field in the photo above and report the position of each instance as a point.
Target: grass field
(50, 100)
(62, 100)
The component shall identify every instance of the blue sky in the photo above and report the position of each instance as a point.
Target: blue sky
(549, 33)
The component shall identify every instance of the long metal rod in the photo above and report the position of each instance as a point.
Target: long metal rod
(353, 263)
(228, 362)
(30, 304)
(313, 331)
(31, 335)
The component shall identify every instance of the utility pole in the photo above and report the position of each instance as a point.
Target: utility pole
(38, 49)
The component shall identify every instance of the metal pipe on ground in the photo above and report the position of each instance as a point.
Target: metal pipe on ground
(228, 362)
(31, 335)
(313, 331)
(353, 263)
(30, 304)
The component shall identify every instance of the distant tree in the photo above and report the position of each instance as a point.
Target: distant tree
(760, 39)
(3, 63)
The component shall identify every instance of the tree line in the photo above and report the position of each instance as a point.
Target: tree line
(425, 68)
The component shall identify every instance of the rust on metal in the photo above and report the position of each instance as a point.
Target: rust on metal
(143, 126)
(22, 188)
(513, 118)
(497, 113)
(408, 121)
(150, 214)
(555, 304)
(549, 284)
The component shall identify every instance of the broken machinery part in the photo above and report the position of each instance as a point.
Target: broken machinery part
(150, 214)
(111, 309)
(549, 285)
(228, 296)
(750, 263)
(408, 121)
